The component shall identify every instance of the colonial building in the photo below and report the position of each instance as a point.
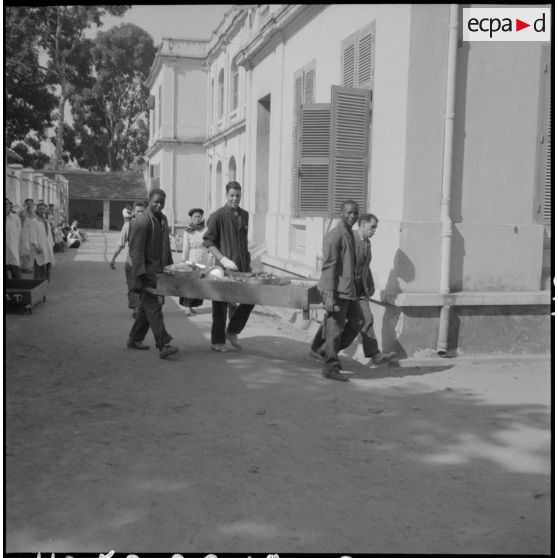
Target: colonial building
(446, 141)
(178, 123)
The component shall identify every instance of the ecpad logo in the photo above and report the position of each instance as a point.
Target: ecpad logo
(506, 24)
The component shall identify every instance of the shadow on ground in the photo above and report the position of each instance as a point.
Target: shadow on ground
(108, 448)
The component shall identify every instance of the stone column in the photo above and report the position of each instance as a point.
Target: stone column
(106, 215)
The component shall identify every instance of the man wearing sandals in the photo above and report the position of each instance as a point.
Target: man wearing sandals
(149, 248)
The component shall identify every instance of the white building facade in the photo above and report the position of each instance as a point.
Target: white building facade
(308, 105)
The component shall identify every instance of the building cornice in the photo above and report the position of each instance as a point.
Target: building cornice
(160, 143)
(277, 29)
(225, 134)
(227, 29)
(175, 50)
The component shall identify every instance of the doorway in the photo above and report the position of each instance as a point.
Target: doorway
(263, 129)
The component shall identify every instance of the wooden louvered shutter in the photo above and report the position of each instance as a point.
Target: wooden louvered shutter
(366, 50)
(303, 94)
(308, 94)
(547, 153)
(297, 103)
(348, 59)
(350, 136)
(314, 159)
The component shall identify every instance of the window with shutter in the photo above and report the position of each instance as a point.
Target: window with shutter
(350, 134)
(348, 62)
(358, 58)
(547, 157)
(314, 159)
(544, 198)
(304, 83)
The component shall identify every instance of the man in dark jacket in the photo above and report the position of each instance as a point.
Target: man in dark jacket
(367, 225)
(226, 239)
(338, 287)
(149, 248)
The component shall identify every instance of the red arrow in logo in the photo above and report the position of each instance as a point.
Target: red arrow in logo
(519, 25)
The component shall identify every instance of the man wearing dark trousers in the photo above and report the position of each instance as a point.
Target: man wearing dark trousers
(339, 291)
(226, 239)
(149, 248)
(367, 225)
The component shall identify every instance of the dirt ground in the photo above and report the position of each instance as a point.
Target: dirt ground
(109, 448)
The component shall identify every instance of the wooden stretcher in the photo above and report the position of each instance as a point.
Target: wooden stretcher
(300, 294)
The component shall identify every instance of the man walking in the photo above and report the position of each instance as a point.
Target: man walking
(133, 297)
(367, 225)
(226, 239)
(149, 248)
(338, 287)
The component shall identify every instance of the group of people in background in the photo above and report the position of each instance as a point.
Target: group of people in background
(345, 283)
(33, 235)
(29, 240)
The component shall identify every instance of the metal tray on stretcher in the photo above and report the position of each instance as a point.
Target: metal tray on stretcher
(298, 294)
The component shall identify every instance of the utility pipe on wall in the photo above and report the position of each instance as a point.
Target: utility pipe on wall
(445, 204)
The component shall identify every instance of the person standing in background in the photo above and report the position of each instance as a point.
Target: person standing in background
(42, 244)
(133, 297)
(12, 238)
(194, 251)
(27, 217)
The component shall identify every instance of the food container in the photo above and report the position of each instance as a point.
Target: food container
(216, 272)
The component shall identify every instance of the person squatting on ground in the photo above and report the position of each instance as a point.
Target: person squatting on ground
(12, 238)
(149, 248)
(42, 244)
(133, 297)
(367, 225)
(193, 250)
(226, 239)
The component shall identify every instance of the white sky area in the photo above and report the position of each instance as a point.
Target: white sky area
(177, 21)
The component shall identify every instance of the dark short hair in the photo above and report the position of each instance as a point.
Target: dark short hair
(28, 199)
(233, 185)
(195, 210)
(157, 191)
(348, 202)
(367, 217)
(139, 204)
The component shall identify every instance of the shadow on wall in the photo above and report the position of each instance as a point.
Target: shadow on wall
(403, 269)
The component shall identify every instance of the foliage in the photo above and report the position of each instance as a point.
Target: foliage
(60, 31)
(29, 101)
(31, 154)
(109, 116)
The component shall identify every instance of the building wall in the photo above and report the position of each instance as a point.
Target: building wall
(298, 242)
(190, 83)
(190, 180)
(177, 145)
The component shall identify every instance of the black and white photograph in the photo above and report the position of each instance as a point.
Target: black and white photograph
(278, 279)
